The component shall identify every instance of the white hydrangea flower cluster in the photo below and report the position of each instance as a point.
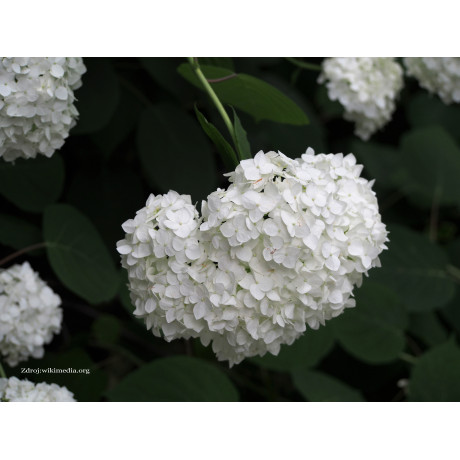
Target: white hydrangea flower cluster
(366, 87)
(280, 249)
(439, 75)
(37, 107)
(15, 390)
(160, 247)
(29, 314)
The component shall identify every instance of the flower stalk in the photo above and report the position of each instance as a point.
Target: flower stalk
(211, 93)
(21, 251)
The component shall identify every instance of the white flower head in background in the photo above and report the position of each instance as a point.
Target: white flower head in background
(30, 314)
(367, 89)
(279, 250)
(439, 75)
(37, 107)
(15, 390)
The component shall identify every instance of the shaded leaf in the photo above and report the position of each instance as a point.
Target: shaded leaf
(373, 331)
(427, 110)
(432, 161)
(121, 125)
(415, 269)
(451, 312)
(178, 378)
(292, 140)
(328, 107)
(18, 233)
(453, 251)
(34, 183)
(244, 148)
(224, 62)
(316, 386)
(305, 352)
(223, 147)
(78, 254)
(436, 375)
(381, 162)
(249, 94)
(106, 328)
(164, 72)
(108, 198)
(98, 97)
(174, 152)
(428, 328)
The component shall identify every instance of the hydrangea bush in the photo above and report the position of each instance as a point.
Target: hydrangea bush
(15, 390)
(250, 269)
(37, 107)
(366, 87)
(437, 75)
(280, 249)
(30, 314)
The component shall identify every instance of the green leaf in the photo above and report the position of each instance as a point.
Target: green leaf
(178, 378)
(244, 148)
(249, 94)
(329, 109)
(223, 147)
(32, 184)
(381, 162)
(224, 62)
(18, 233)
(414, 268)
(316, 386)
(436, 375)
(432, 161)
(121, 125)
(164, 73)
(451, 312)
(78, 254)
(174, 153)
(373, 331)
(305, 352)
(428, 328)
(106, 328)
(108, 198)
(98, 97)
(427, 110)
(289, 139)
(454, 252)
(87, 383)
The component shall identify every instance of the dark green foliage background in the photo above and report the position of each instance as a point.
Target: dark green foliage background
(142, 130)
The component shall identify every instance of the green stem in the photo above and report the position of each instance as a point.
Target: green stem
(208, 88)
(22, 251)
(2, 372)
(304, 65)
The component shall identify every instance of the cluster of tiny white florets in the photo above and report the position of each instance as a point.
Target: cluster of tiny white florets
(15, 390)
(159, 250)
(366, 87)
(37, 107)
(439, 75)
(280, 249)
(29, 314)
